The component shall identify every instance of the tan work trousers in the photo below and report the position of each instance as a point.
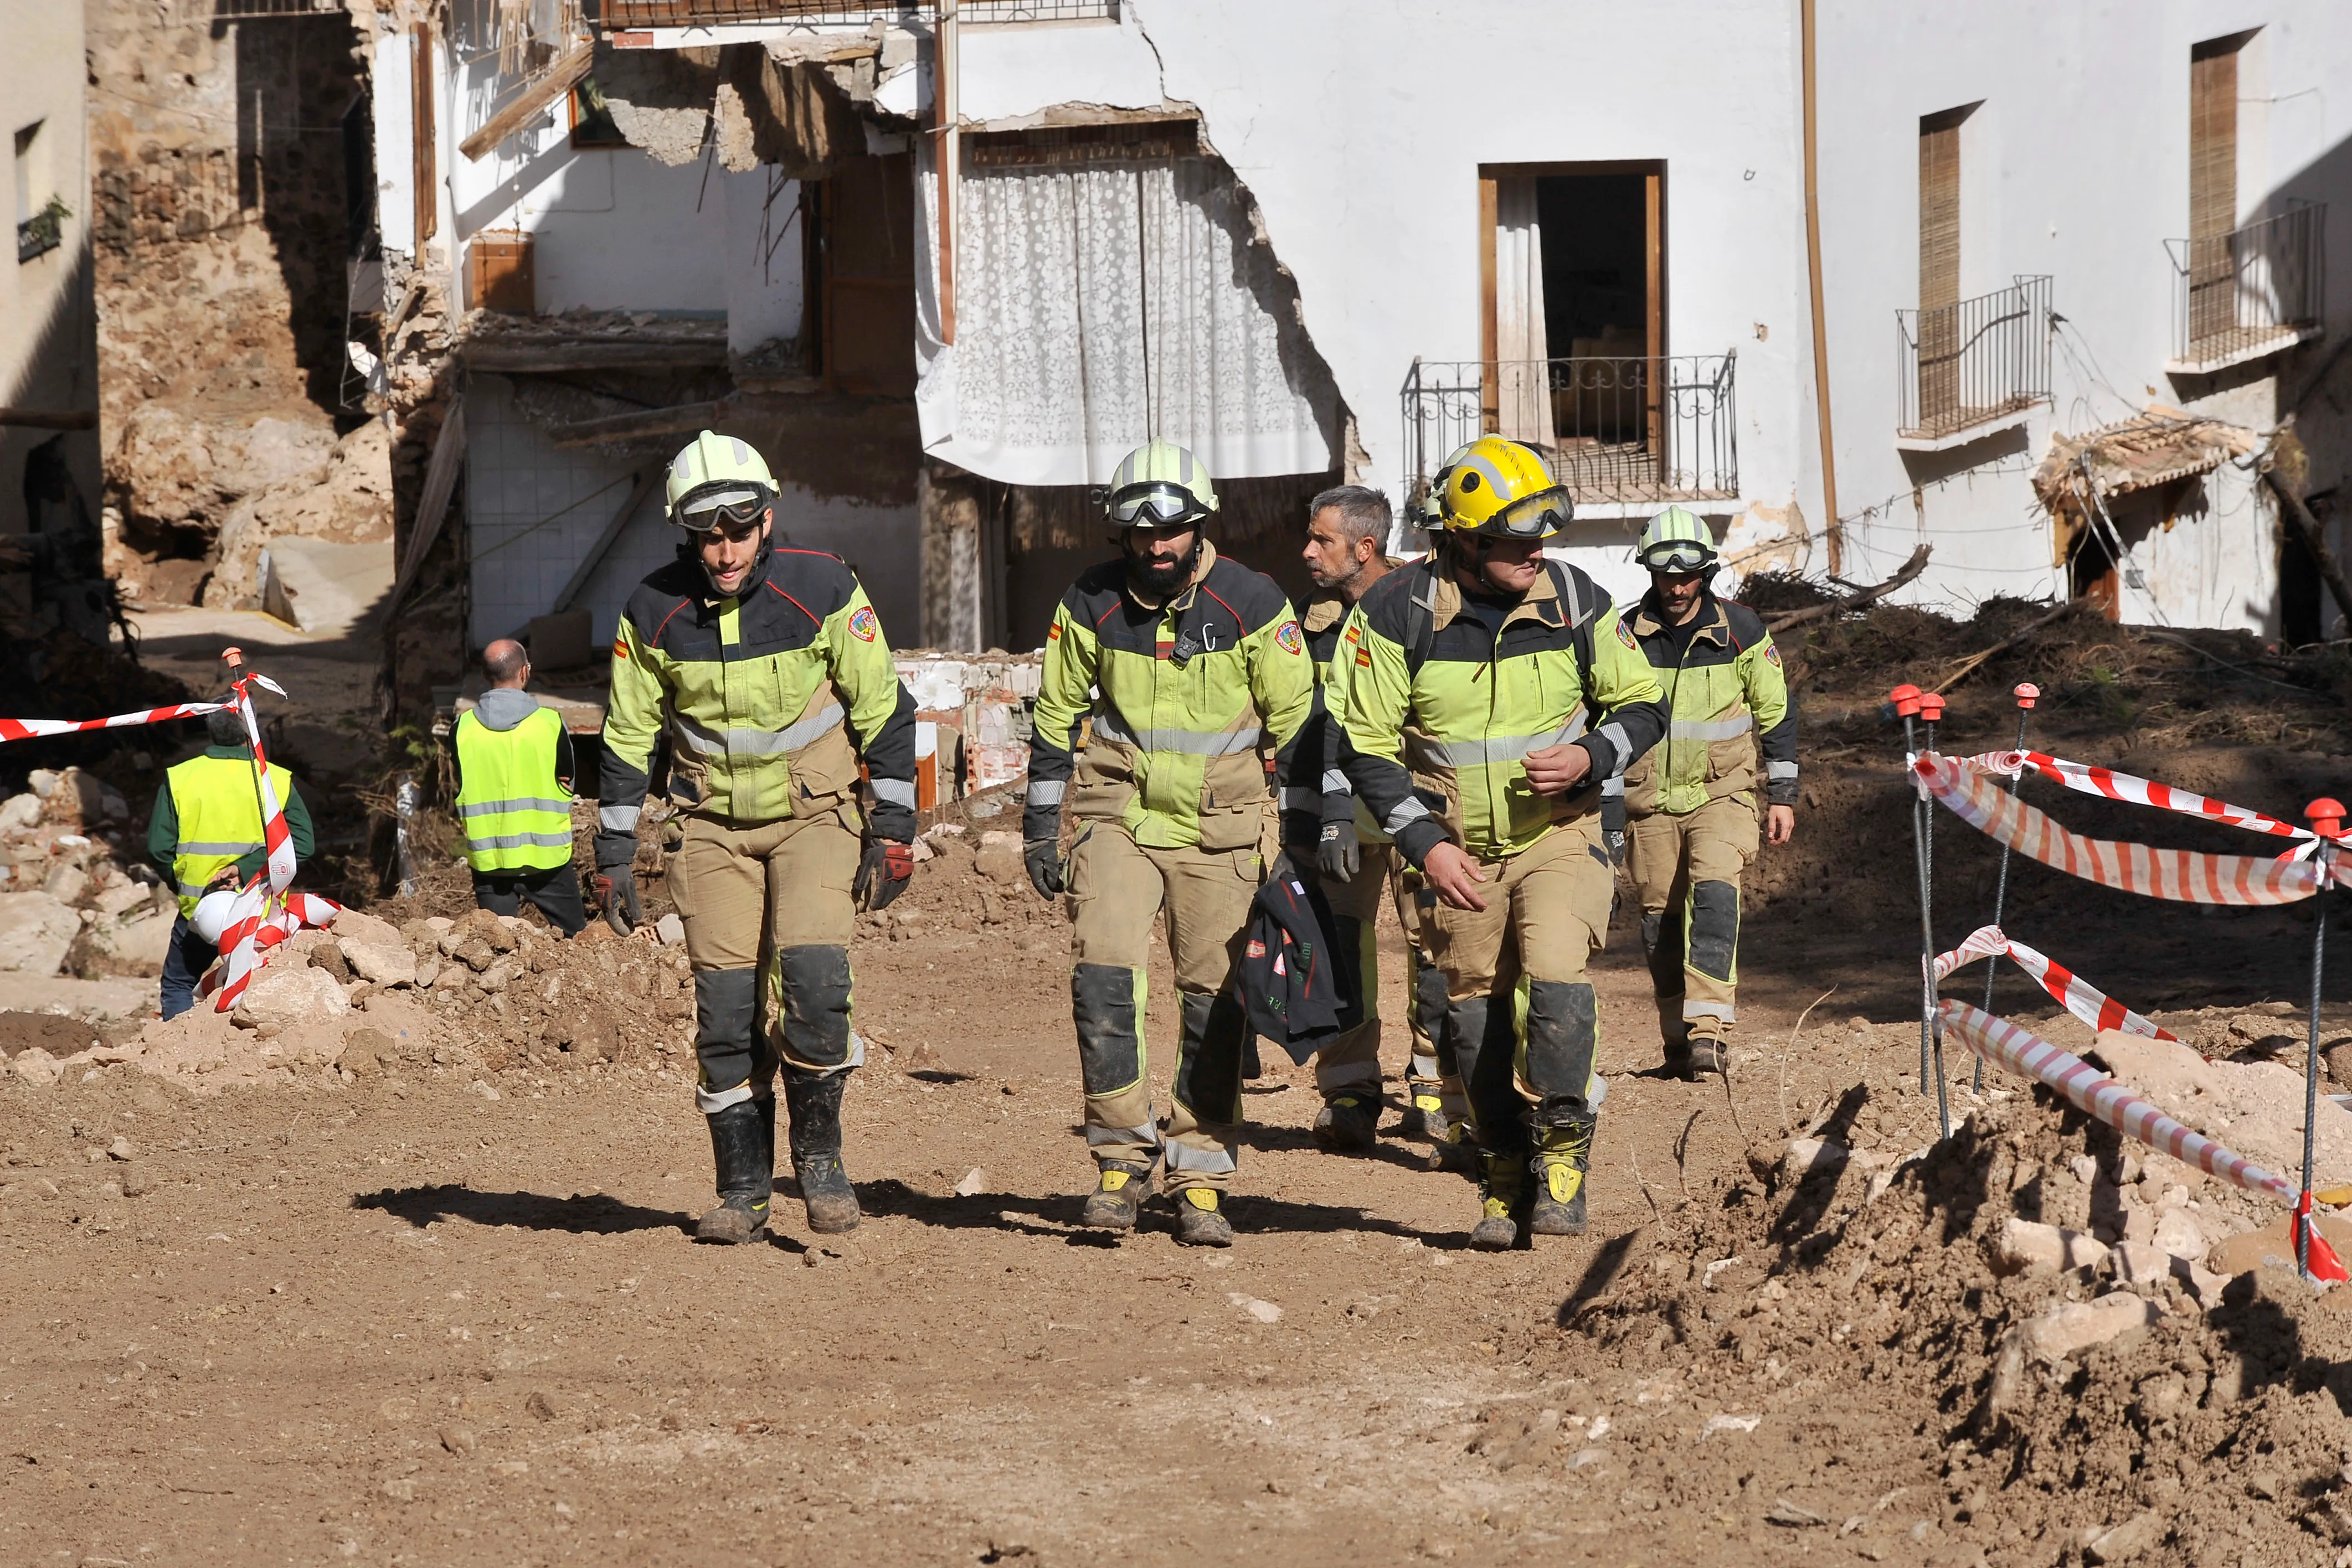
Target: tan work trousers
(1521, 962)
(748, 895)
(1687, 872)
(1353, 1060)
(1118, 887)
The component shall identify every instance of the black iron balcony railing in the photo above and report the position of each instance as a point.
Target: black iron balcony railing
(1612, 430)
(1969, 363)
(632, 13)
(2252, 291)
(43, 232)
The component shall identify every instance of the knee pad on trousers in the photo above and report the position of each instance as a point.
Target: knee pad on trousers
(1714, 928)
(1562, 1028)
(726, 1041)
(1481, 1033)
(1111, 1045)
(1209, 1064)
(1347, 968)
(1429, 1002)
(814, 1017)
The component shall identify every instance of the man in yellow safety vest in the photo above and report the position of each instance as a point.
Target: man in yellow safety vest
(514, 796)
(205, 833)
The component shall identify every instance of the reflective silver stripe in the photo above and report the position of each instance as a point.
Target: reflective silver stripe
(1614, 785)
(710, 1104)
(1779, 771)
(1146, 1134)
(1296, 799)
(492, 808)
(189, 890)
(519, 841)
(1184, 1158)
(757, 742)
(895, 792)
(1621, 743)
(1188, 742)
(1335, 782)
(1409, 811)
(1723, 1010)
(1047, 791)
(198, 848)
(1710, 729)
(618, 819)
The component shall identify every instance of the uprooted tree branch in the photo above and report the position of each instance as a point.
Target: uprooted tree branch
(1857, 600)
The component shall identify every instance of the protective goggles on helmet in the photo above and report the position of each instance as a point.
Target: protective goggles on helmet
(1531, 516)
(1677, 555)
(730, 507)
(1155, 504)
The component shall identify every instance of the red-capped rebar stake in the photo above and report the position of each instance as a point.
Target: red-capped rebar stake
(1904, 700)
(2325, 816)
(2027, 695)
(1931, 1027)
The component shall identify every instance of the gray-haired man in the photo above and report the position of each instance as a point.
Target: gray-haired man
(1346, 531)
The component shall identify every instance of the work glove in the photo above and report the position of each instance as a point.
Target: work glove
(1044, 857)
(1339, 855)
(616, 882)
(882, 874)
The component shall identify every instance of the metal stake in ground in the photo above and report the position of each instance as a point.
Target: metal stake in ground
(2327, 819)
(1905, 701)
(1931, 709)
(2028, 694)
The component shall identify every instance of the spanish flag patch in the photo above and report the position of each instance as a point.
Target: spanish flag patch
(620, 646)
(1364, 657)
(1054, 633)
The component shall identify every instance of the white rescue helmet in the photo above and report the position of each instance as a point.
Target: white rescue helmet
(212, 914)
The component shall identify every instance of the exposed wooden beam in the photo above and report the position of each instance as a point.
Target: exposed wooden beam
(673, 420)
(555, 358)
(433, 501)
(537, 94)
(647, 479)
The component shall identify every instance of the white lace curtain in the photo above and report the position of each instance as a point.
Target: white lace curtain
(1099, 306)
(1524, 392)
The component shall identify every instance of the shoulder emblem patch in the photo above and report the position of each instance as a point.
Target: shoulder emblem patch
(1287, 635)
(862, 624)
(1771, 655)
(1625, 635)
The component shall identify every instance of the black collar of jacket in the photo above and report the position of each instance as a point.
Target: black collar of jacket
(1715, 624)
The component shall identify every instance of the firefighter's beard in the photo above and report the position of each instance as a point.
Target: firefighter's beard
(1158, 579)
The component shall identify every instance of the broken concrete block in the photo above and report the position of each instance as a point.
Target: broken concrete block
(2027, 1247)
(2078, 1326)
(367, 928)
(2178, 1233)
(999, 859)
(34, 931)
(381, 963)
(121, 897)
(20, 812)
(288, 998)
(2128, 1540)
(1803, 1156)
(367, 1051)
(670, 929)
(35, 1067)
(2144, 1266)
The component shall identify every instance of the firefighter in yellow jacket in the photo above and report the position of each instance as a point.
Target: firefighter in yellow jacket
(1192, 677)
(767, 671)
(1691, 803)
(1492, 694)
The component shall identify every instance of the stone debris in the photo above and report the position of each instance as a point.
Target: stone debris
(2028, 1247)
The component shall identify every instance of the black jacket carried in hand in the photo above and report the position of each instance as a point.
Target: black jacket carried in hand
(1288, 975)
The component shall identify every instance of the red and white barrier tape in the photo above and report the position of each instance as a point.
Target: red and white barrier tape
(2067, 989)
(255, 928)
(1967, 788)
(34, 728)
(2108, 784)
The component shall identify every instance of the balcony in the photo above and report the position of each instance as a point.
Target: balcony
(43, 232)
(641, 13)
(1973, 367)
(2252, 292)
(1624, 435)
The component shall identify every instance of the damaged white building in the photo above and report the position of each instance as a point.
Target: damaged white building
(1840, 274)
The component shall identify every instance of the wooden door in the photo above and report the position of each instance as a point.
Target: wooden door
(865, 239)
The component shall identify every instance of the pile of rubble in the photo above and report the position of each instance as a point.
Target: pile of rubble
(2101, 1352)
(486, 993)
(76, 894)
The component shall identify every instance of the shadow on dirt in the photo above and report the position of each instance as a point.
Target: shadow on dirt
(1607, 1263)
(583, 1213)
(1057, 1217)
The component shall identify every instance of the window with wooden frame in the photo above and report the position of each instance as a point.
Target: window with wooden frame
(592, 122)
(1940, 340)
(2212, 187)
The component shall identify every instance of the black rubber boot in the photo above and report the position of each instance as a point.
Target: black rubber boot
(814, 1100)
(1563, 1155)
(1121, 1189)
(1198, 1222)
(1349, 1122)
(746, 1167)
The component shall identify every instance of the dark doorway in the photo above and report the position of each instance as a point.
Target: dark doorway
(861, 250)
(1595, 264)
(2300, 615)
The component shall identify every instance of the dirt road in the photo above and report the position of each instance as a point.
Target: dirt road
(401, 1320)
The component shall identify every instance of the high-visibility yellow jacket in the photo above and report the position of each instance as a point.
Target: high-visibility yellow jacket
(208, 815)
(515, 811)
(1442, 710)
(1724, 690)
(1324, 619)
(770, 699)
(1189, 700)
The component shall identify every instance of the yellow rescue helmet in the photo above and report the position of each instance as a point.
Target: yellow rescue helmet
(1501, 489)
(717, 477)
(1676, 539)
(1160, 486)
(1432, 499)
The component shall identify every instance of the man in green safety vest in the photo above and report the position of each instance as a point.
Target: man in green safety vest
(1192, 678)
(514, 796)
(205, 833)
(1690, 804)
